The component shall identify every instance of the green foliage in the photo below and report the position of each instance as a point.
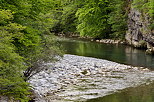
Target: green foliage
(25, 43)
(5, 15)
(64, 15)
(14, 87)
(68, 17)
(11, 63)
(102, 18)
(145, 6)
(93, 17)
(118, 18)
(37, 18)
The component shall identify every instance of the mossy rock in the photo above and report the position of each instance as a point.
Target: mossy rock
(142, 44)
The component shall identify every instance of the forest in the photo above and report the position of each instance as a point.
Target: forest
(28, 29)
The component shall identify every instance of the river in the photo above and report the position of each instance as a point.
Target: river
(118, 53)
(143, 93)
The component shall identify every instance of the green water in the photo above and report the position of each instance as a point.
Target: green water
(118, 53)
(144, 93)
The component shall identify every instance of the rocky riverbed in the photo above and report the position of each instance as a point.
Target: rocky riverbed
(78, 78)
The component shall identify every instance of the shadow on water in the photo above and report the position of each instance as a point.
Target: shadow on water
(118, 53)
(143, 93)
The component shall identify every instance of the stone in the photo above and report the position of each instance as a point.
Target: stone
(139, 31)
(66, 73)
(3, 99)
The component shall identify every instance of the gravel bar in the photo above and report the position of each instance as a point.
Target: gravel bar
(78, 78)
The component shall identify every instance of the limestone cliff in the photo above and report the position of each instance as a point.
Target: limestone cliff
(139, 33)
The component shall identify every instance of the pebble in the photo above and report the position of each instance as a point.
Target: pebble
(66, 71)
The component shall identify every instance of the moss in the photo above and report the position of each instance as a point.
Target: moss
(142, 43)
(152, 26)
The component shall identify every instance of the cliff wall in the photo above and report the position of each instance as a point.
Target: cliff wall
(139, 33)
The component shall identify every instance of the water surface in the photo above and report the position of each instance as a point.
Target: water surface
(118, 53)
(143, 93)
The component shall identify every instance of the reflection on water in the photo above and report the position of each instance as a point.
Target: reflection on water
(144, 93)
(118, 53)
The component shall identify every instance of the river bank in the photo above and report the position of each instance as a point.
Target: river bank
(139, 45)
(98, 40)
(80, 78)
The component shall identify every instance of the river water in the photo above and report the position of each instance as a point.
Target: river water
(144, 93)
(118, 53)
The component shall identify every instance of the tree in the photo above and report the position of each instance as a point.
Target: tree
(11, 63)
(26, 44)
(93, 17)
(37, 18)
(118, 18)
(65, 16)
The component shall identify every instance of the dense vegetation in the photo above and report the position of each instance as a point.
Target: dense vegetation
(146, 7)
(26, 41)
(99, 18)
(94, 18)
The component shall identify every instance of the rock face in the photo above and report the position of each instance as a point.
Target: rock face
(139, 34)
